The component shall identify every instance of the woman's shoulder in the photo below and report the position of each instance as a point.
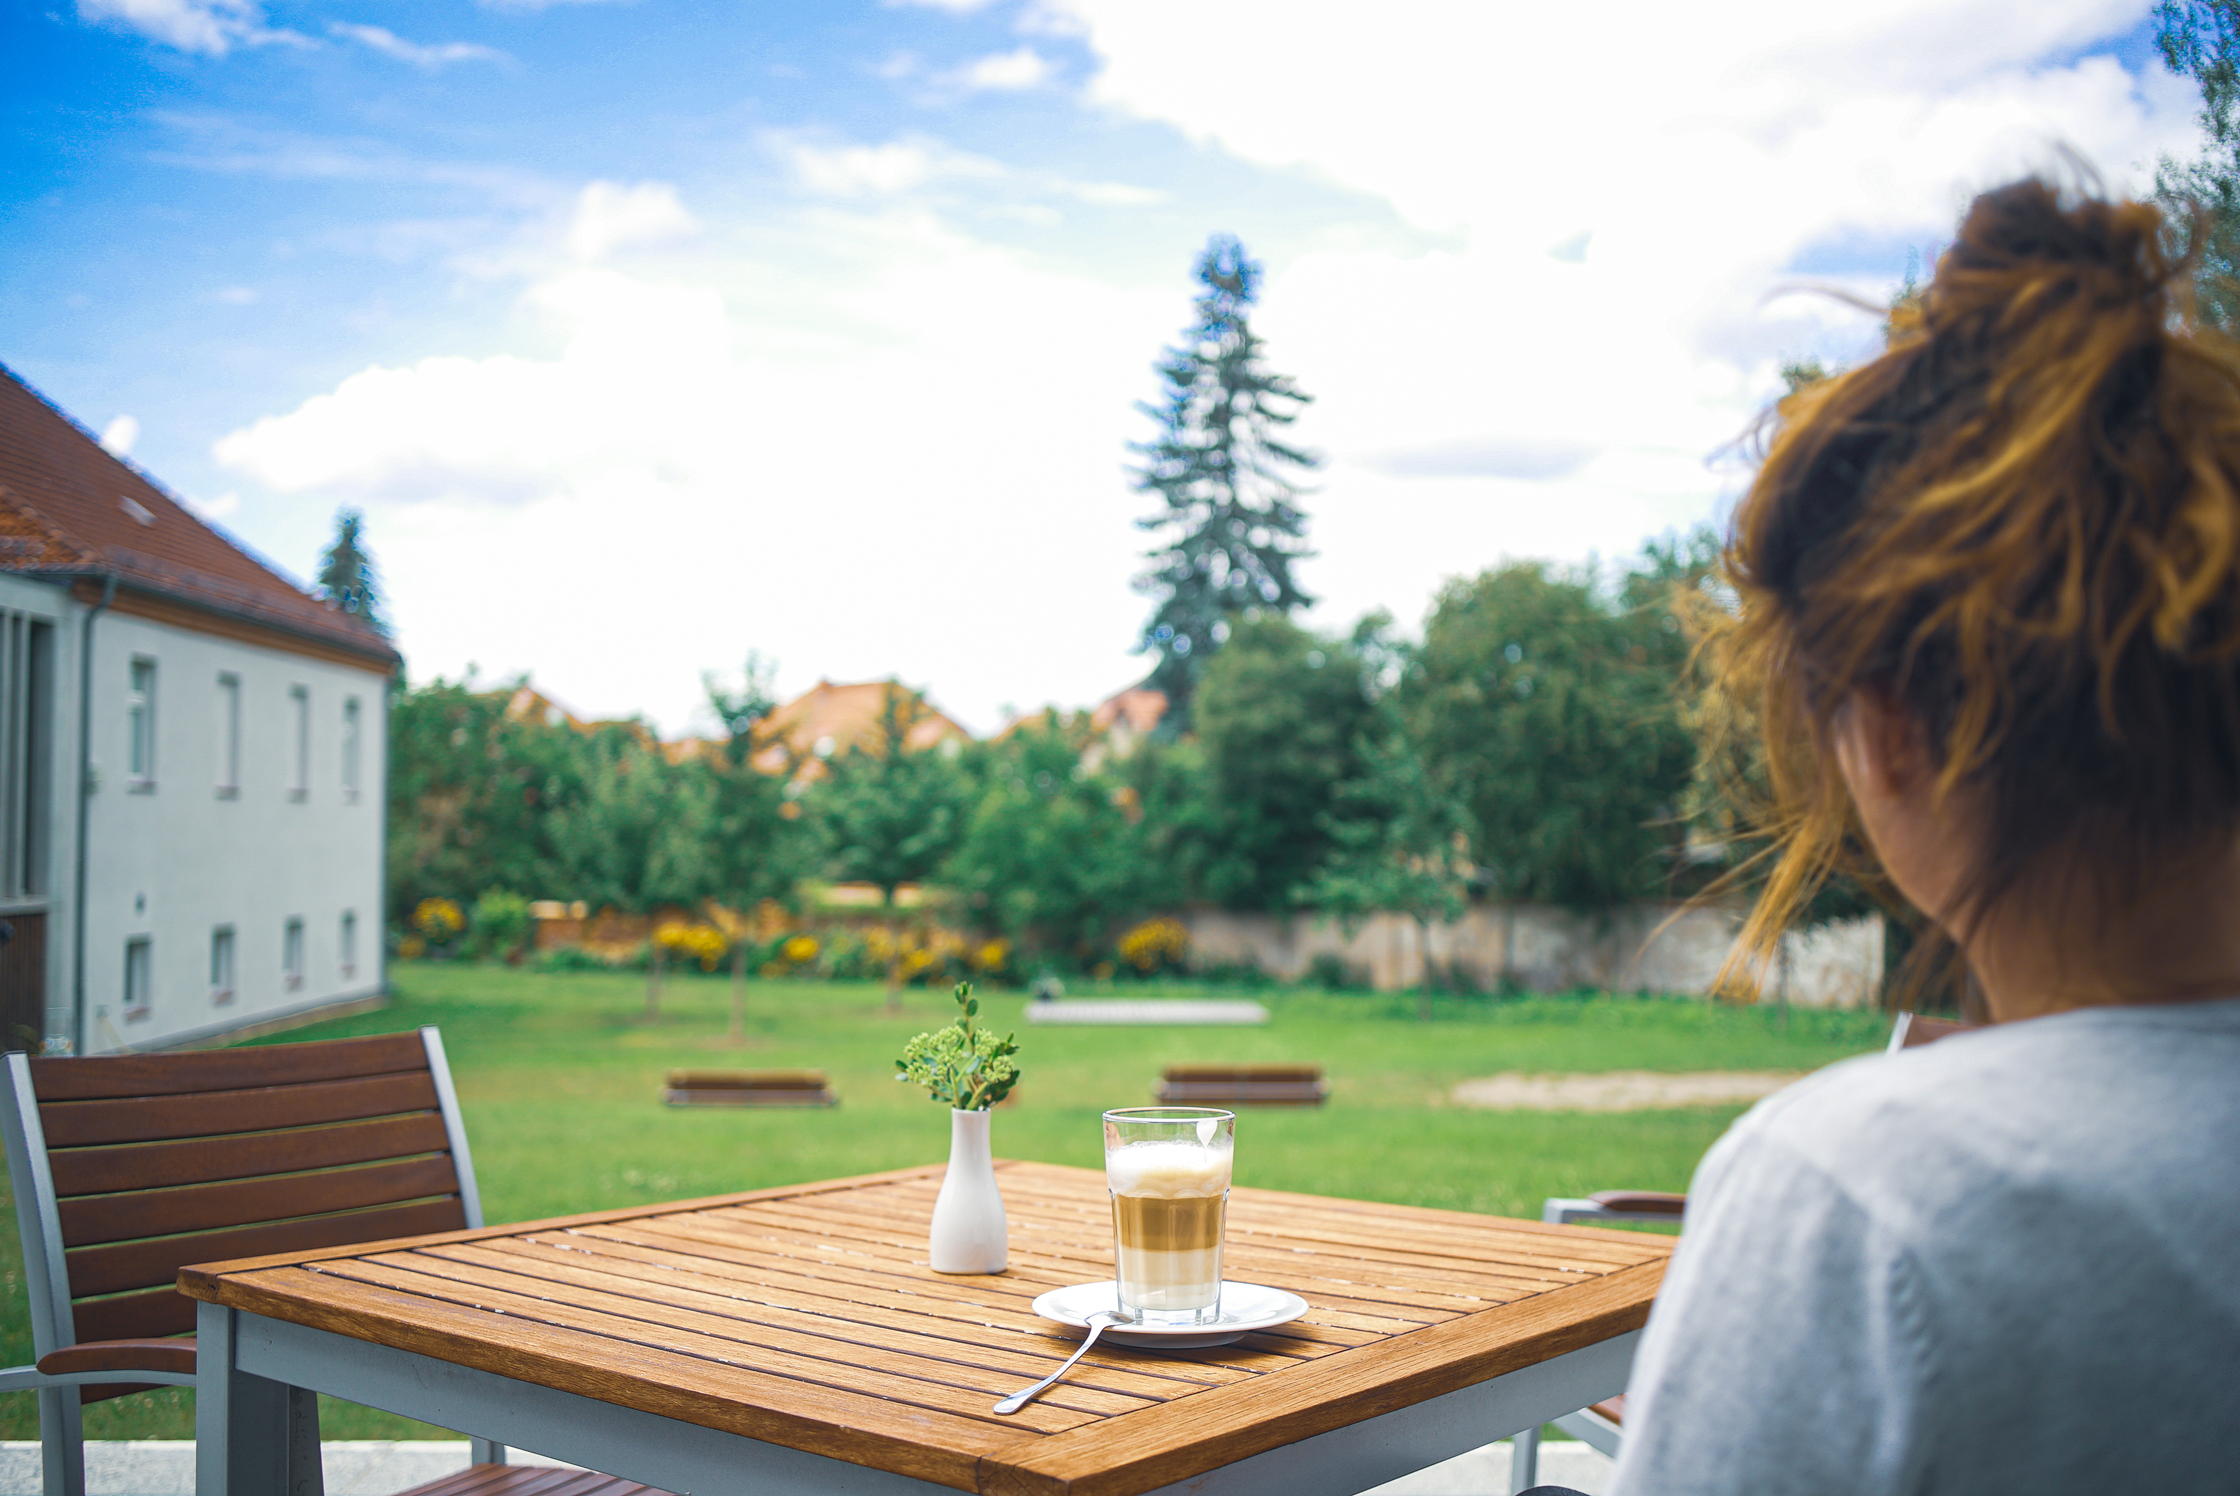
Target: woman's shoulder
(2094, 1097)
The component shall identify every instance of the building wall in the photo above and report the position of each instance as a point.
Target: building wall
(1650, 947)
(181, 853)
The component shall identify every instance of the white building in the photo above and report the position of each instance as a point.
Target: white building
(193, 754)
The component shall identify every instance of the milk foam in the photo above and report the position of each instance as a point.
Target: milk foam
(1168, 1170)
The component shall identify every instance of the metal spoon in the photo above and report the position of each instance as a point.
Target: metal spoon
(1097, 1324)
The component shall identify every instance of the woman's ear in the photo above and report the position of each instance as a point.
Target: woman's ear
(1881, 746)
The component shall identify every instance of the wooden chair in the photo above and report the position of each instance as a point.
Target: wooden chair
(1602, 1426)
(129, 1167)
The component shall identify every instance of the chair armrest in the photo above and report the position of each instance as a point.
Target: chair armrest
(173, 1356)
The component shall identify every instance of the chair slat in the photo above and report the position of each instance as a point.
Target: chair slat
(92, 1220)
(139, 1166)
(144, 1264)
(219, 1113)
(135, 1316)
(105, 1077)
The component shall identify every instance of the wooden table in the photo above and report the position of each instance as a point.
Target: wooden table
(794, 1340)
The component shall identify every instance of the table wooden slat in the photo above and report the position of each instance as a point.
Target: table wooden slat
(808, 1317)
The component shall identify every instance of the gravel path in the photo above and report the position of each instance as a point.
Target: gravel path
(1620, 1090)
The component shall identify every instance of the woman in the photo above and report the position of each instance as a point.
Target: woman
(1990, 619)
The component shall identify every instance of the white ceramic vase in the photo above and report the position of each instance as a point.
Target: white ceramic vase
(969, 1232)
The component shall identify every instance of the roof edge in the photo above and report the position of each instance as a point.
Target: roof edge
(374, 650)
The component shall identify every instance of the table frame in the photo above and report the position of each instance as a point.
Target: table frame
(258, 1373)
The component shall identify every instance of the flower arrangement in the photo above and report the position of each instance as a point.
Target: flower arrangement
(969, 1068)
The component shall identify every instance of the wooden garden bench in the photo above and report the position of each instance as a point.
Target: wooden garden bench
(749, 1088)
(1242, 1085)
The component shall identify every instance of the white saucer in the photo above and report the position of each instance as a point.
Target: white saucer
(1245, 1307)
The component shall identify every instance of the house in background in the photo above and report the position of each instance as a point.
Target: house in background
(193, 754)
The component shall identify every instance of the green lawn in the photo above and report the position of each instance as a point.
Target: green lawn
(559, 1075)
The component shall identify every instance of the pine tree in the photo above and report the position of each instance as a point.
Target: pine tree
(1230, 519)
(346, 575)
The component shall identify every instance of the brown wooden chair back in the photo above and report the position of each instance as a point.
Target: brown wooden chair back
(161, 1160)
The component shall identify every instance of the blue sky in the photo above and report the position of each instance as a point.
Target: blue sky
(649, 333)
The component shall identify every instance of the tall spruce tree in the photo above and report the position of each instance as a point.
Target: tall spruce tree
(2201, 39)
(346, 574)
(1229, 522)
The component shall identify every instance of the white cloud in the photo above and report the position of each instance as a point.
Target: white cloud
(953, 7)
(212, 27)
(1561, 377)
(238, 295)
(688, 477)
(890, 448)
(611, 216)
(119, 435)
(214, 509)
(875, 170)
(426, 57)
(1006, 72)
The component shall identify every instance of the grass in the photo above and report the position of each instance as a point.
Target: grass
(558, 1075)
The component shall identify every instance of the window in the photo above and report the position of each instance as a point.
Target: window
(140, 725)
(139, 979)
(26, 730)
(291, 955)
(350, 722)
(299, 715)
(349, 942)
(229, 736)
(221, 966)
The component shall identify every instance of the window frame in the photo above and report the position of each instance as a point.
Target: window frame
(349, 943)
(141, 684)
(299, 757)
(292, 954)
(353, 739)
(229, 735)
(139, 978)
(224, 947)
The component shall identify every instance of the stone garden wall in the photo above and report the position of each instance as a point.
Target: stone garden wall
(1648, 947)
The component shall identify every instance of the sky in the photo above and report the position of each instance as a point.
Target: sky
(647, 333)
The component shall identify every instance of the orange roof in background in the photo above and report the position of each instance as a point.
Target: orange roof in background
(67, 507)
(828, 719)
(1138, 709)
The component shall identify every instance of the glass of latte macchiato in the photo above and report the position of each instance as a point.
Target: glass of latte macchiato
(1168, 1169)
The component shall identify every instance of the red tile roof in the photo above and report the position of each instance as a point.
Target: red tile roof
(69, 508)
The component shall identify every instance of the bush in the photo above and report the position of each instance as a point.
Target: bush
(438, 922)
(1330, 972)
(571, 958)
(1156, 945)
(499, 925)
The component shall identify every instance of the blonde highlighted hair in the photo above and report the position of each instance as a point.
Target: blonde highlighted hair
(2022, 524)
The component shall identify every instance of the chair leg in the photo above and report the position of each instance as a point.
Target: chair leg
(62, 1442)
(1524, 1459)
(484, 1452)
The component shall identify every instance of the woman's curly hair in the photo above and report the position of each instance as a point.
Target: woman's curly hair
(2021, 523)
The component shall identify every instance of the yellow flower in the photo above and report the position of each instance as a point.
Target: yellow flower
(800, 950)
(438, 919)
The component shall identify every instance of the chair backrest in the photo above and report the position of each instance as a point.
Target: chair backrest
(1912, 1030)
(130, 1167)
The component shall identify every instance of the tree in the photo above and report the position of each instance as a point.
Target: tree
(1281, 712)
(470, 789)
(1400, 842)
(890, 816)
(346, 572)
(759, 851)
(1229, 521)
(1553, 715)
(1050, 854)
(2201, 39)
